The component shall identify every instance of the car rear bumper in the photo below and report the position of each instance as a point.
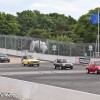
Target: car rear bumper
(4, 60)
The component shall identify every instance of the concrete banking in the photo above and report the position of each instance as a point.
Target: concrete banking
(25, 90)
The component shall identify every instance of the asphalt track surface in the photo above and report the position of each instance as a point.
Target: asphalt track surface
(8, 98)
(76, 79)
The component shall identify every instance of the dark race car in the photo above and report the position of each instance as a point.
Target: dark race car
(63, 64)
(4, 58)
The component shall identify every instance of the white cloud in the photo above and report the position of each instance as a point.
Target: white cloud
(74, 8)
(10, 2)
(54, 5)
(59, 6)
(13, 6)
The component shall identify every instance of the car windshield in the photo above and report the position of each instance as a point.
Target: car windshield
(3, 56)
(30, 57)
(62, 61)
(97, 63)
(27, 57)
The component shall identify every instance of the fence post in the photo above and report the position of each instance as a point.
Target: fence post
(70, 49)
(58, 43)
(5, 41)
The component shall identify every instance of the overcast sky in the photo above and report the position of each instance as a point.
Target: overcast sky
(74, 8)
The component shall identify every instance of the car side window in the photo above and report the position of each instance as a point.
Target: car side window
(92, 64)
(24, 57)
(58, 61)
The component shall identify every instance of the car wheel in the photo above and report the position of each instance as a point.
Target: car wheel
(71, 67)
(55, 66)
(29, 64)
(96, 72)
(23, 64)
(8, 60)
(37, 64)
(87, 71)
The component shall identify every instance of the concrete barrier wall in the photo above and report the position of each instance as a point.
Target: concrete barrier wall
(45, 92)
(34, 91)
(48, 57)
(36, 55)
(17, 87)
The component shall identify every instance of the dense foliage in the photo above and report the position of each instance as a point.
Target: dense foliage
(8, 24)
(85, 30)
(51, 26)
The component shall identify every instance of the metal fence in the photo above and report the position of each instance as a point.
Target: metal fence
(47, 46)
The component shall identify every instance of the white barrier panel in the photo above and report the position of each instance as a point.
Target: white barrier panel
(45, 92)
(36, 55)
(17, 87)
(34, 91)
(74, 60)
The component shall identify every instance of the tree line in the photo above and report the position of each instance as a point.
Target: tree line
(50, 26)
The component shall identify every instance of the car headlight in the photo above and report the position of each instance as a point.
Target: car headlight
(98, 68)
(71, 64)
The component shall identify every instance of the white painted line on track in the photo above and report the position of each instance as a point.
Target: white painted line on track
(41, 72)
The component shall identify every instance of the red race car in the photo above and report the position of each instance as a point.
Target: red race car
(93, 67)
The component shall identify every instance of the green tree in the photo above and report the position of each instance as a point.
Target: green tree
(84, 30)
(35, 24)
(27, 20)
(8, 24)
